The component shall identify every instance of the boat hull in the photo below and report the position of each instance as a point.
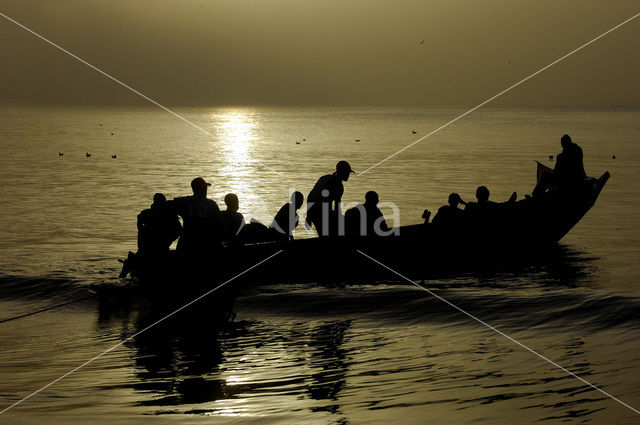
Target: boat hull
(514, 230)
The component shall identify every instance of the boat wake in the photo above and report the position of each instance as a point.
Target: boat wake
(559, 288)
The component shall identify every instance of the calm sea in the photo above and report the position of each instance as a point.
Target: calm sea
(313, 352)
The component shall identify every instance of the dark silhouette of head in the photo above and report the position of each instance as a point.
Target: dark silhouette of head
(482, 194)
(297, 199)
(371, 198)
(199, 186)
(231, 201)
(159, 200)
(565, 141)
(454, 200)
(343, 170)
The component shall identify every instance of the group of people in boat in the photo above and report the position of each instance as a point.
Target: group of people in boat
(324, 208)
(567, 174)
(205, 228)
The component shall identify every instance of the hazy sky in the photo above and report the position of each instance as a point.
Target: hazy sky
(321, 52)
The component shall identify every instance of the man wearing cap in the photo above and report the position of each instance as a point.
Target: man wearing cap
(204, 228)
(323, 202)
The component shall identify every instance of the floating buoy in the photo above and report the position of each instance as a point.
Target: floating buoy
(613, 157)
(112, 134)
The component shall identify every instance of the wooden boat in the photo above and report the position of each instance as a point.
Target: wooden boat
(510, 230)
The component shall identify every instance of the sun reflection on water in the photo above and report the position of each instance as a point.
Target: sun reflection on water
(237, 131)
(232, 408)
(237, 380)
(237, 140)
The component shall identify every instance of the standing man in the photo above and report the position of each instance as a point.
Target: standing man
(204, 228)
(323, 202)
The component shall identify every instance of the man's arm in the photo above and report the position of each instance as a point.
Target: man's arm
(222, 227)
(337, 205)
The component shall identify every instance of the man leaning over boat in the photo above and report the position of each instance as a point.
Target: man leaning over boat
(323, 202)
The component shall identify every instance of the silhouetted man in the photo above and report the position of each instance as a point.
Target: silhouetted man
(366, 219)
(286, 220)
(158, 227)
(484, 214)
(483, 202)
(233, 220)
(323, 202)
(569, 170)
(204, 228)
(450, 215)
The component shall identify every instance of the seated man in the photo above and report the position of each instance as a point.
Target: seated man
(366, 219)
(286, 220)
(450, 215)
(483, 202)
(484, 215)
(233, 220)
(568, 171)
(158, 227)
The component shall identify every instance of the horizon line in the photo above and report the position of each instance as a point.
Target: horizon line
(141, 105)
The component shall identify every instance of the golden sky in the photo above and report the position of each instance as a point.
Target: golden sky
(321, 52)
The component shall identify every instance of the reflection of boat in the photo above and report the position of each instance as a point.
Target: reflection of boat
(507, 230)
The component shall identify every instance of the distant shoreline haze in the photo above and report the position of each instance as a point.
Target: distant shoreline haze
(291, 53)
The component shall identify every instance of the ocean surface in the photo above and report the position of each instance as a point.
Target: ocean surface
(339, 351)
